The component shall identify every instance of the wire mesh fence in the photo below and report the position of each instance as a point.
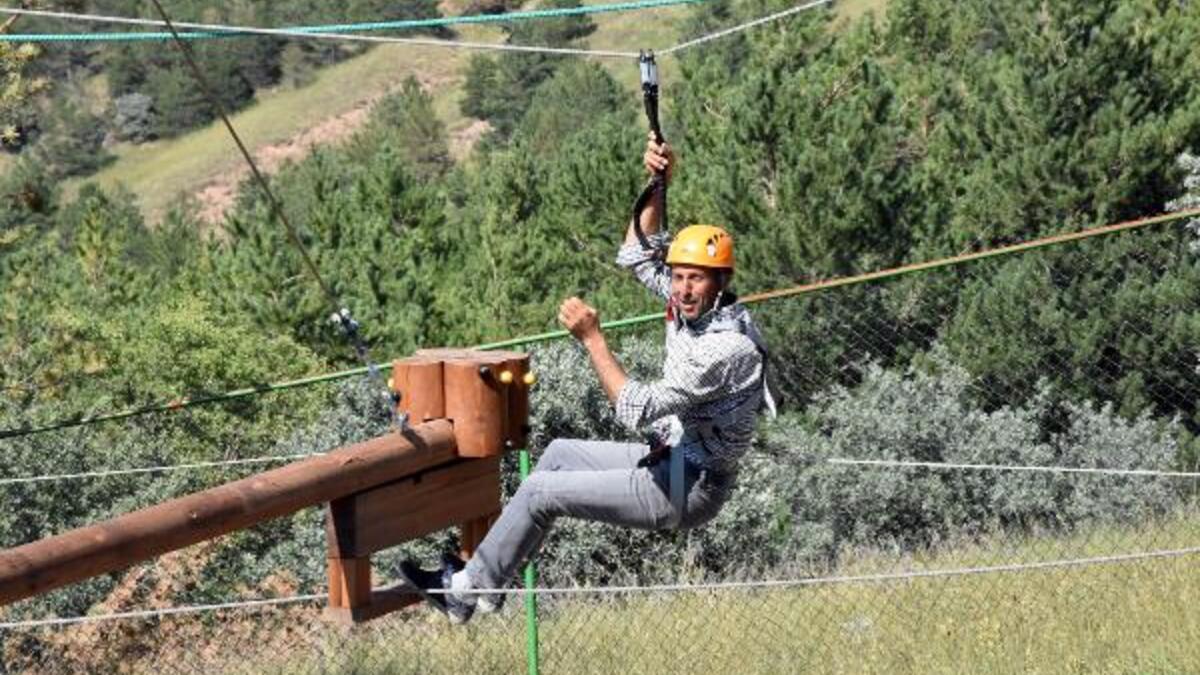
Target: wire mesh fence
(1040, 603)
(985, 468)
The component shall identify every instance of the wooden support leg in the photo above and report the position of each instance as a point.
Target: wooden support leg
(349, 582)
(472, 533)
(351, 599)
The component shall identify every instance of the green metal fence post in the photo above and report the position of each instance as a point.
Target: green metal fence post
(531, 626)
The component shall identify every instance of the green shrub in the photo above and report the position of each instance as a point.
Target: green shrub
(929, 416)
(792, 506)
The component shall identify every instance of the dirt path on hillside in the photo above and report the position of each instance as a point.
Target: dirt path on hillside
(217, 195)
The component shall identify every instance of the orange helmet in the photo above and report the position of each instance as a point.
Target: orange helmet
(702, 245)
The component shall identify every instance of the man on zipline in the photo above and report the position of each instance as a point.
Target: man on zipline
(699, 415)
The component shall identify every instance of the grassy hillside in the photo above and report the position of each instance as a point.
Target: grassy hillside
(160, 173)
(852, 9)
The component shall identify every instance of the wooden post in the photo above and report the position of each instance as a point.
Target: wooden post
(349, 582)
(477, 402)
(503, 382)
(462, 491)
(419, 381)
(518, 401)
(472, 532)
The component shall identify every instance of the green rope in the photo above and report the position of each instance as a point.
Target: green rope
(181, 403)
(623, 323)
(352, 27)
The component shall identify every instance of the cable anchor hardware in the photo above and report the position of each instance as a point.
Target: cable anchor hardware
(350, 328)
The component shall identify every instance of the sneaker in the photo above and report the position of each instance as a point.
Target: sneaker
(484, 604)
(457, 607)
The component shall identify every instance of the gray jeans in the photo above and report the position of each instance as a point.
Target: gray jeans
(592, 480)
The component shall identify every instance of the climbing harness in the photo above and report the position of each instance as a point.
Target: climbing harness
(658, 182)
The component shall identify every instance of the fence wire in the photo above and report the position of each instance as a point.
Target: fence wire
(879, 493)
(877, 616)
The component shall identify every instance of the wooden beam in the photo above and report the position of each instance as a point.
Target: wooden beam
(486, 396)
(383, 601)
(412, 507)
(419, 382)
(118, 543)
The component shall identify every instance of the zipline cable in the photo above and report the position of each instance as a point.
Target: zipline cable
(743, 26)
(276, 208)
(346, 37)
(838, 461)
(211, 31)
(168, 611)
(319, 32)
(970, 257)
(763, 296)
(958, 466)
(109, 473)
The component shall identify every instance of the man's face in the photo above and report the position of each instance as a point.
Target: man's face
(694, 289)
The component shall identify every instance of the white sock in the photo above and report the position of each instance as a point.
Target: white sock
(459, 582)
(489, 603)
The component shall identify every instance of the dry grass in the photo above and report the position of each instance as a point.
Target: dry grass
(1127, 617)
(850, 10)
(1122, 617)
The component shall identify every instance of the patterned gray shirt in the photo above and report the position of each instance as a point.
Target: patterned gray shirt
(712, 382)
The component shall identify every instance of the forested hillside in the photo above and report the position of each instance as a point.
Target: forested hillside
(140, 91)
(942, 127)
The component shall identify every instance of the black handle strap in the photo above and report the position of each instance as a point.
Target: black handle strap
(658, 183)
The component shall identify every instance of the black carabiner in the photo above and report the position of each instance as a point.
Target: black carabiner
(649, 71)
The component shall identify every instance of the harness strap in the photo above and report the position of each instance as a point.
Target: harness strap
(657, 184)
(678, 491)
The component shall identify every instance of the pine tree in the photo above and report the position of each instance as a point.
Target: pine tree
(16, 112)
(73, 142)
(375, 233)
(499, 90)
(407, 119)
